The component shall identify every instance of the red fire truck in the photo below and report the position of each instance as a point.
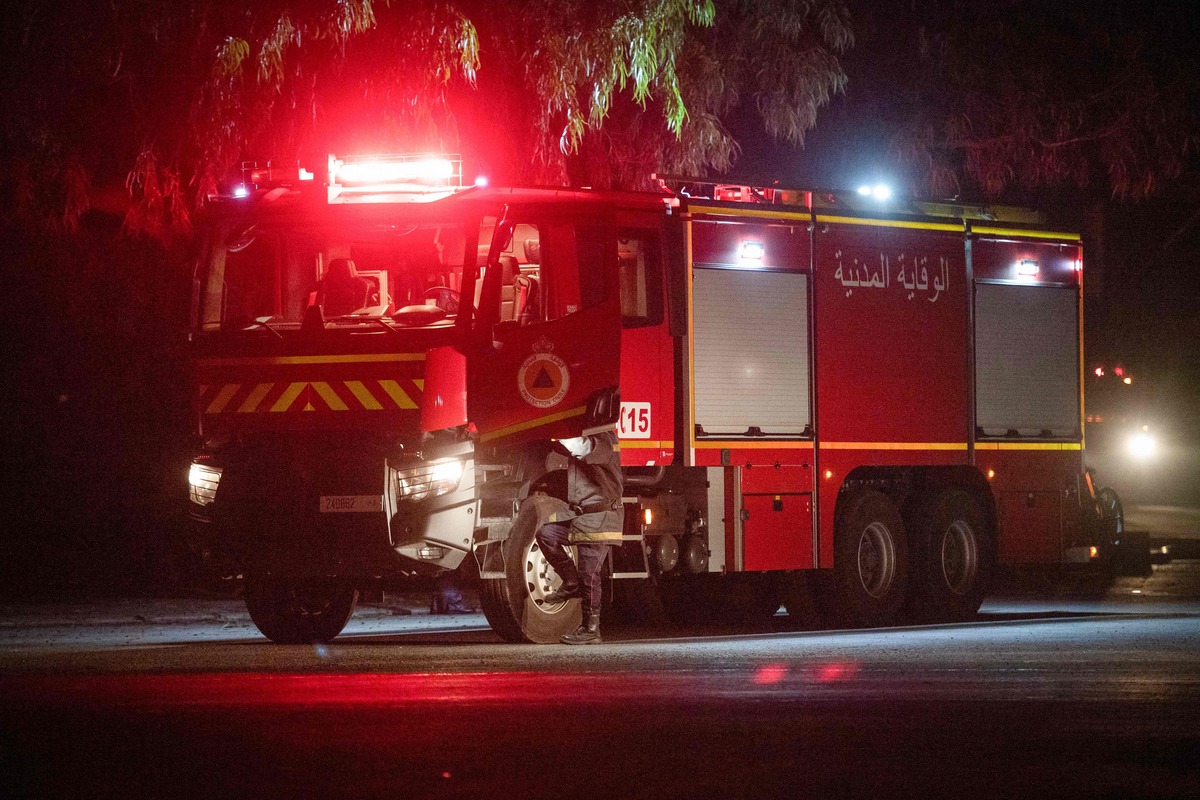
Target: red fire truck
(883, 398)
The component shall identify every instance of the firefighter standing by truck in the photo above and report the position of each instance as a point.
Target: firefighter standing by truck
(593, 492)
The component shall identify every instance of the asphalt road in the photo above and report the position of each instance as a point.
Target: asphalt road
(1082, 691)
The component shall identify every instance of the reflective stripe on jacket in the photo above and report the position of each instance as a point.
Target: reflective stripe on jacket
(595, 480)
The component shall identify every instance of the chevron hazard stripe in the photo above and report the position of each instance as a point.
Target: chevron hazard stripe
(330, 395)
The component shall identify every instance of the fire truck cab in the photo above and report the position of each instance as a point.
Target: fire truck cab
(328, 399)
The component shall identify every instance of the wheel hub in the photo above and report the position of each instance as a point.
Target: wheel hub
(876, 560)
(541, 579)
(960, 557)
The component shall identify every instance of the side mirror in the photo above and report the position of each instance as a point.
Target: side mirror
(603, 409)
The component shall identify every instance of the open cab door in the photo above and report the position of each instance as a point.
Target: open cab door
(543, 343)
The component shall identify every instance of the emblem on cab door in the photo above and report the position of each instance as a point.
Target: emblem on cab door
(543, 378)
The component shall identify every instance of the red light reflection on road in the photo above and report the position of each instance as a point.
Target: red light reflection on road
(829, 673)
(769, 674)
(264, 689)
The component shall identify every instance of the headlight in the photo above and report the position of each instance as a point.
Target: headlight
(433, 479)
(202, 483)
(1142, 446)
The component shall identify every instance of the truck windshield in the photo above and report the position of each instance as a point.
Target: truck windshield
(265, 276)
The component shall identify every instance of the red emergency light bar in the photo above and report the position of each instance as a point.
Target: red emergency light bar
(375, 171)
(375, 178)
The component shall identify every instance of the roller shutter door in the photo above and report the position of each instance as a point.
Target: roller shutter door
(1027, 361)
(751, 351)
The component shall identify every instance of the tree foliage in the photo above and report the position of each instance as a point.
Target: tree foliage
(777, 60)
(597, 93)
(1015, 96)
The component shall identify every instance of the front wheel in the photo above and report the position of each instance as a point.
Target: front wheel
(870, 571)
(515, 605)
(303, 610)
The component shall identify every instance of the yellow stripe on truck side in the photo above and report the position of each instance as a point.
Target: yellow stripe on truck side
(500, 433)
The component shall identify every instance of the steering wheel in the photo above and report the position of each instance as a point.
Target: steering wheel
(443, 297)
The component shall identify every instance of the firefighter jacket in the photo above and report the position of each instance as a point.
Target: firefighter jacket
(594, 487)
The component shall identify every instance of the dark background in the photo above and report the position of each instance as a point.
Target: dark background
(95, 414)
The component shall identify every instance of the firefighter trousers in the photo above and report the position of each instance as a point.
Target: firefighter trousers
(553, 538)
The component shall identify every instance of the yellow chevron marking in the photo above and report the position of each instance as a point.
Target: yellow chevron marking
(329, 396)
(397, 394)
(420, 382)
(309, 407)
(365, 397)
(223, 397)
(256, 397)
(289, 396)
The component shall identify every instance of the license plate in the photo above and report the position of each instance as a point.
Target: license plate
(351, 503)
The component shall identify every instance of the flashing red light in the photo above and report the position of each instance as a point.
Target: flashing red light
(384, 172)
(1119, 372)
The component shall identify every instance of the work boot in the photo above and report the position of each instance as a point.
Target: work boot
(565, 592)
(588, 632)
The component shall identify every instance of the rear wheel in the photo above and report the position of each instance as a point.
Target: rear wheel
(870, 573)
(515, 605)
(956, 547)
(299, 610)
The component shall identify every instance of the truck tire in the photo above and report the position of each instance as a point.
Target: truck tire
(870, 572)
(514, 604)
(305, 610)
(955, 546)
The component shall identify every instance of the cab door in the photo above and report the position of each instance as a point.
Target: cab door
(544, 351)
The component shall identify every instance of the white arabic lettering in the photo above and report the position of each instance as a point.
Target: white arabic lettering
(913, 275)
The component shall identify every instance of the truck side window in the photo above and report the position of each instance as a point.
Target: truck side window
(252, 266)
(639, 257)
(551, 270)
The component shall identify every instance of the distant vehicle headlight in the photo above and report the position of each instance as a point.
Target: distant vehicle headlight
(202, 483)
(433, 479)
(1142, 446)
